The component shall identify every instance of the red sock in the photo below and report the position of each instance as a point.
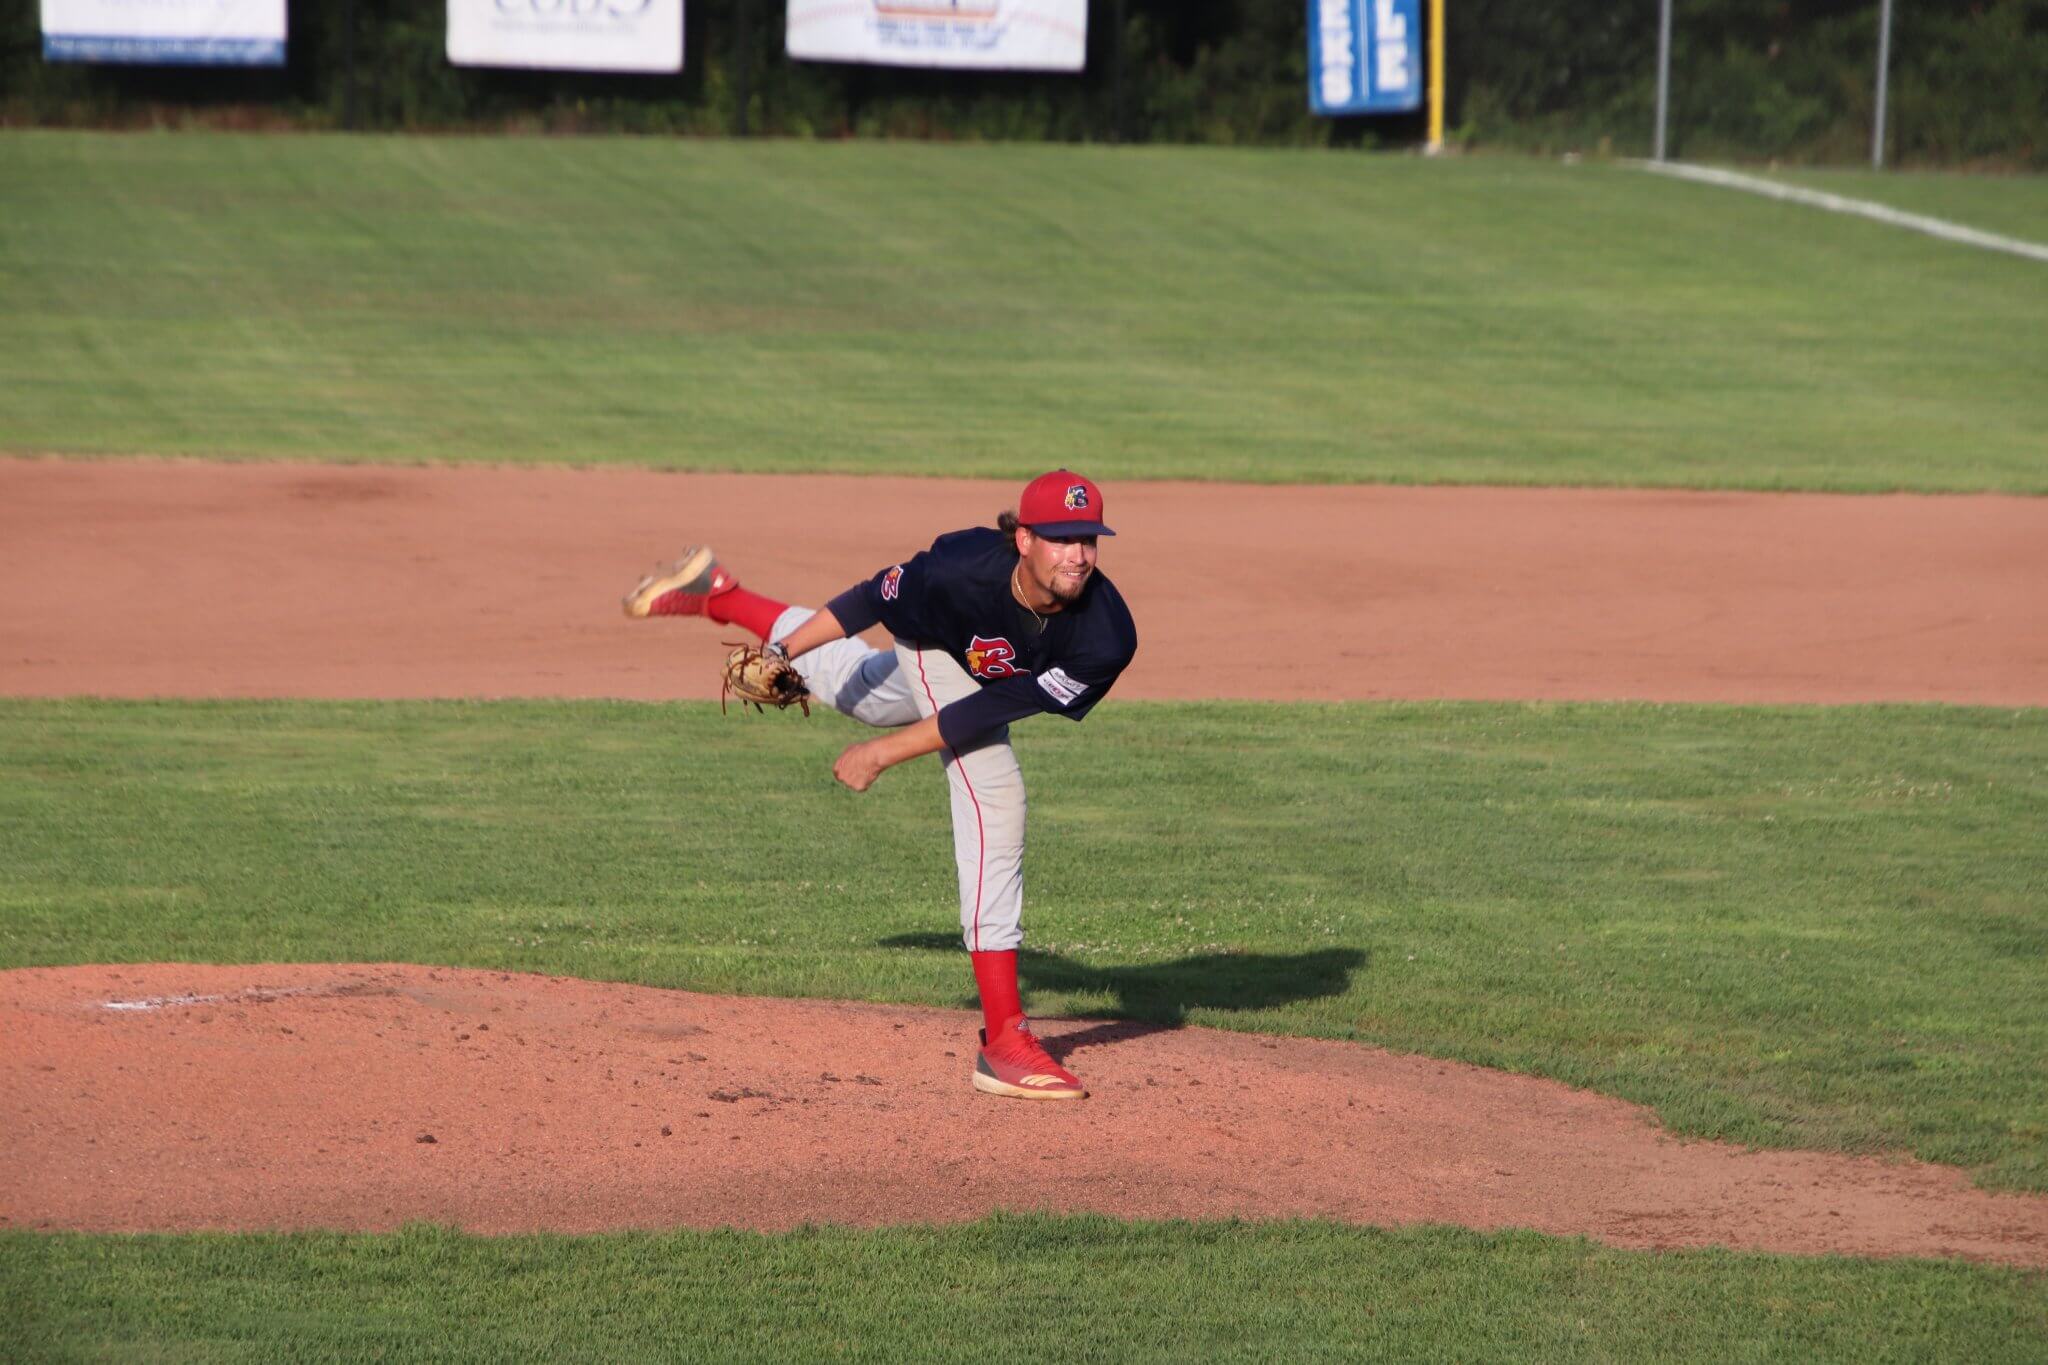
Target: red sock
(740, 607)
(995, 976)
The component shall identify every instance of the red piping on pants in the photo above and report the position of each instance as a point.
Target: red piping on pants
(980, 834)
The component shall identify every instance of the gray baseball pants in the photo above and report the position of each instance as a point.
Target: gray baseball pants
(900, 687)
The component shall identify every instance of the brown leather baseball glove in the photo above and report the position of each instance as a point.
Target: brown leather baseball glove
(762, 677)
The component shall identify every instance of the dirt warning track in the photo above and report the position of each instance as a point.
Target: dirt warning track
(363, 1097)
(184, 578)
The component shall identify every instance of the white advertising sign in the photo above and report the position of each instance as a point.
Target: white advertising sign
(567, 35)
(165, 32)
(998, 35)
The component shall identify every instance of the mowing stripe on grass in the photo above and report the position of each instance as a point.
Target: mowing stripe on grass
(1155, 312)
(1860, 208)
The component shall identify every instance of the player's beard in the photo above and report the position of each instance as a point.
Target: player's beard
(1068, 589)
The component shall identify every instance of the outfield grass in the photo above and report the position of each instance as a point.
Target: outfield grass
(1040, 1288)
(1140, 312)
(1818, 928)
(2014, 205)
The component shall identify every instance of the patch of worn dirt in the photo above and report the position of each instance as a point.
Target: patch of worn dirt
(193, 579)
(361, 1097)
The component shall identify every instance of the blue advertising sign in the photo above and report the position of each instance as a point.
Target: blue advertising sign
(1364, 56)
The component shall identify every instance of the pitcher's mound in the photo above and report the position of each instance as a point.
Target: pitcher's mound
(364, 1097)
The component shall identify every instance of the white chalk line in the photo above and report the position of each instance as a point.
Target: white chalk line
(1860, 208)
(159, 1002)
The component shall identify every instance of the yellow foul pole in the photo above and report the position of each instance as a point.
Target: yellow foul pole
(1436, 77)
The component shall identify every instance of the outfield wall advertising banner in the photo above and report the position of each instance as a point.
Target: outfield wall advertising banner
(165, 32)
(567, 35)
(1364, 56)
(988, 35)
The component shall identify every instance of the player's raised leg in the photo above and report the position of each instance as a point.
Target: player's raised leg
(848, 675)
(698, 585)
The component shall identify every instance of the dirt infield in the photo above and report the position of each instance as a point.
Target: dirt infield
(363, 1097)
(179, 578)
(166, 1097)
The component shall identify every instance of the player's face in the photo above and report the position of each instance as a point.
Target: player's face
(1060, 565)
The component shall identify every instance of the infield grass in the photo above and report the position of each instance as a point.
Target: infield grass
(993, 310)
(1820, 928)
(1048, 1288)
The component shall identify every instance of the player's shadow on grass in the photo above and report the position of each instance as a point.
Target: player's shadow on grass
(1157, 996)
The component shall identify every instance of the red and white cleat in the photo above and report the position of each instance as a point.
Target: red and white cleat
(1013, 1064)
(683, 588)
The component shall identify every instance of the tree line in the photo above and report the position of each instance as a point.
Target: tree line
(1750, 79)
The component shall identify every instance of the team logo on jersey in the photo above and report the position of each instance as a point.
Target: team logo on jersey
(1077, 498)
(995, 658)
(892, 583)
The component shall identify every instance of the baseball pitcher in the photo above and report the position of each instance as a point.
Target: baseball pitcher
(990, 626)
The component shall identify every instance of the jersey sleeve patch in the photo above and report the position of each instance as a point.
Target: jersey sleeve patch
(892, 583)
(1061, 686)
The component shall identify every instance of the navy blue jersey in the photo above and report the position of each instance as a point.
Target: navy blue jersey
(956, 596)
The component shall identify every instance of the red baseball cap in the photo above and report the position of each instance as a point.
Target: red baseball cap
(1062, 503)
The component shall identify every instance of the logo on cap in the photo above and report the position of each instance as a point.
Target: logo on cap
(1063, 502)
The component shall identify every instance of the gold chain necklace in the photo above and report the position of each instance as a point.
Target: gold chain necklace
(1017, 590)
